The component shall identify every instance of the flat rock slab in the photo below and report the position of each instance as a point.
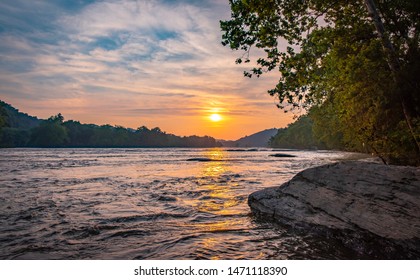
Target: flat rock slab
(357, 199)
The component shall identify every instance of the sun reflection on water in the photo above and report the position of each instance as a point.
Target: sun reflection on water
(218, 181)
(147, 204)
(219, 196)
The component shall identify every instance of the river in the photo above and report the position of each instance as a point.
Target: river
(149, 204)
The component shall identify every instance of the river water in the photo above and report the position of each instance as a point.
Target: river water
(148, 204)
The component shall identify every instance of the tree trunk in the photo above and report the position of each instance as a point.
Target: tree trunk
(393, 62)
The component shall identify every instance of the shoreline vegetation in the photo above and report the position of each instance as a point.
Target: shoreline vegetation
(355, 72)
(21, 130)
(18, 129)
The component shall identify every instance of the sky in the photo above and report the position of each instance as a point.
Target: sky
(132, 63)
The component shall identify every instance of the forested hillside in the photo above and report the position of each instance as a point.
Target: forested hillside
(20, 130)
(354, 65)
(297, 135)
(259, 139)
(304, 133)
(15, 126)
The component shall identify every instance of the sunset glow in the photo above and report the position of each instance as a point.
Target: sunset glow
(215, 118)
(132, 63)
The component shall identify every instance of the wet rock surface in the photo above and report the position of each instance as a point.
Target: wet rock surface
(370, 208)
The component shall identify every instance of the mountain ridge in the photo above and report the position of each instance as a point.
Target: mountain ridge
(258, 139)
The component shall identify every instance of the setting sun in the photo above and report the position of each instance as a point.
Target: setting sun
(215, 117)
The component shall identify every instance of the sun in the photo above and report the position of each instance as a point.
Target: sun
(215, 117)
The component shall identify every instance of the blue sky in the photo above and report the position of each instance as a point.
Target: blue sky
(132, 63)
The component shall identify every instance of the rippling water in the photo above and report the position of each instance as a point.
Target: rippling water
(147, 204)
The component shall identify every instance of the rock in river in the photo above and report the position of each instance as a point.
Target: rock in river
(370, 208)
(282, 155)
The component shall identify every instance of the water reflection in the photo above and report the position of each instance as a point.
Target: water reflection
(217, 166)
(220, 199)
(216, 154)
(144, 203)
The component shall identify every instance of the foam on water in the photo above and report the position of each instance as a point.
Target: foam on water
(147, 204)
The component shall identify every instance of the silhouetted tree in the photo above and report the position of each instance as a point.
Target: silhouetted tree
(50, 133)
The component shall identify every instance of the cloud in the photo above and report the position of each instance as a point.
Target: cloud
(103, 57)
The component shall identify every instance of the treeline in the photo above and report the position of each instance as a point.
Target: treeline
(297, 135)
(316, 130)
(55, 132)
(320, 128)
(356, 71)
(309, 133)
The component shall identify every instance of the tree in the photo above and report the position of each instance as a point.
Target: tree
(332, 60)
(80, 135)
(50, 133)
(297, 135)
(393, 63)
(3, 118)
(56, 119)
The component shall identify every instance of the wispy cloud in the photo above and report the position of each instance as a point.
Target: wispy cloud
(110, 60)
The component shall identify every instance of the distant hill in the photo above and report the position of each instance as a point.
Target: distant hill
(259, 139)
(12, 118)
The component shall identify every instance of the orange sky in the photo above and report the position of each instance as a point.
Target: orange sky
(132, 63)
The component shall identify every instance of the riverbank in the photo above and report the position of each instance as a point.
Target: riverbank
(371, 209)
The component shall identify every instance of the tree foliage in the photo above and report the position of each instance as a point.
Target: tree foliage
(332, 62)
(3, 118)
(297, 135)
(50, 133)
(14, 119)
(14, 126)
(55, 132)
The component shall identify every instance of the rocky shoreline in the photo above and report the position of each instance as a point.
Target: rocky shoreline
(369, 208)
